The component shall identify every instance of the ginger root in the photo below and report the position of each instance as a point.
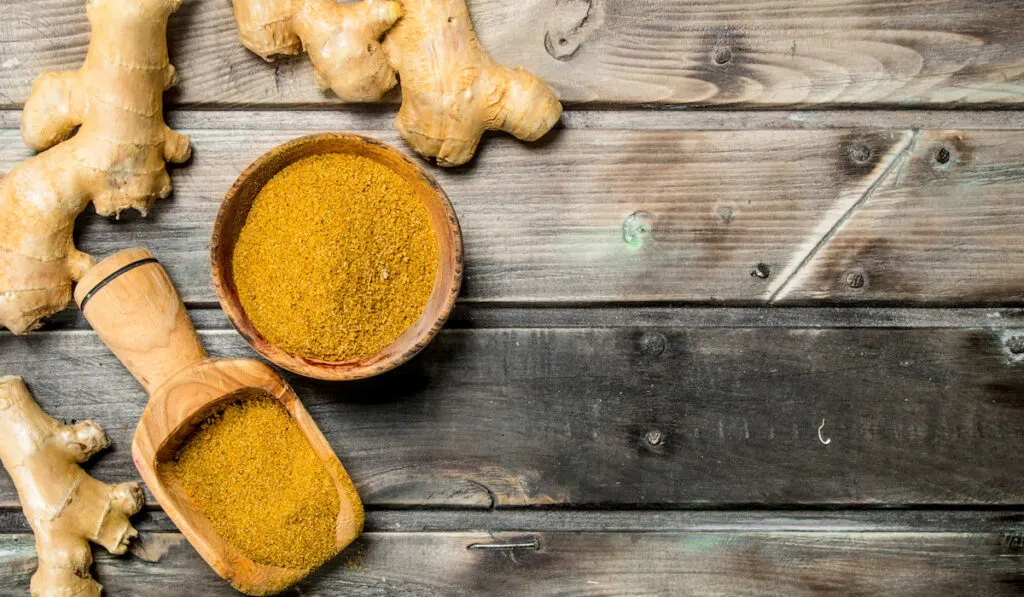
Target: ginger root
(453, 91)
(66, 507)
(116, 160)
(343, 41)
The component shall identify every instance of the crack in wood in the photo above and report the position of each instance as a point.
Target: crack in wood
(896, 166)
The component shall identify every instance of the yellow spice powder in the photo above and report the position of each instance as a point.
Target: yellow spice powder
(336, 259)
(252, 473)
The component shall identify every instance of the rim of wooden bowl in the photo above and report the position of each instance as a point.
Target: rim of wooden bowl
(235, 208)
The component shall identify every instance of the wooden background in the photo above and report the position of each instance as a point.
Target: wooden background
(749, 322)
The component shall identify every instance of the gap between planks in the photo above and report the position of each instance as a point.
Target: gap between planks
(470, 315)
(380, 117)
(797, 520)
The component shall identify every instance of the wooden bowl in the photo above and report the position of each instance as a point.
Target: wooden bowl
(235, 209)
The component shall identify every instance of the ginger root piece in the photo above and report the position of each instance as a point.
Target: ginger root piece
(343, 41)
(116, 159)
(65, 506)
(452, 90)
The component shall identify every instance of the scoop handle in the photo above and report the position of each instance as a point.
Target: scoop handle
(133, 306)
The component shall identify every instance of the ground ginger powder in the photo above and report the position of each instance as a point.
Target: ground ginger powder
(336, 259)
(254, 476)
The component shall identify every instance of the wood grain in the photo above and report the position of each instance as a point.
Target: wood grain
(738, 564)
(669, 215)
(631, 415)
(898, 242)
(745, 52)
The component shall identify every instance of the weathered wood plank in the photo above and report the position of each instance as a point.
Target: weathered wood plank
(746, 52)
(897, 245)
(588, 215)
(737, 564)
(599, 215)
(632, 416)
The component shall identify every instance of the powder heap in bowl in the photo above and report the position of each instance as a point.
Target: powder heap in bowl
(336, 259)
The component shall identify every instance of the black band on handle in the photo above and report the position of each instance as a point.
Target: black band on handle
(113, 277)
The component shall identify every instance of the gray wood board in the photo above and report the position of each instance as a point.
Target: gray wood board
(726, 217)
(746, 52)
(737, 564)
(1007, 521)
(632, 416)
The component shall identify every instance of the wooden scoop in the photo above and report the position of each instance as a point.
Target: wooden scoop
(131, 303)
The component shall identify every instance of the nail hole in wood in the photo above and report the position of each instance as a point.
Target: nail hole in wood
(943, 155)
(762, 271)
(722, 56)
(653, 344)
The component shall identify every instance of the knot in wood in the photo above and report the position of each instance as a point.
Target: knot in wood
(722, 56)
(653, 344)
(654, 437)
(636, 227)
(1015, 344)
(855, 280)
(860, 153)
(573, 20)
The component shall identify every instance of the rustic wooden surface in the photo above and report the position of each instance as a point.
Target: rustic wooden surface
(740, 52)
(585, 564)
(676, 215)
(773, 346)
(547, 415)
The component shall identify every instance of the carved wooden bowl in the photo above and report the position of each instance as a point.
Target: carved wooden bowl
(235, 209)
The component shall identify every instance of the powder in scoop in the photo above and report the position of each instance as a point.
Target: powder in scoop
(254, 476)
